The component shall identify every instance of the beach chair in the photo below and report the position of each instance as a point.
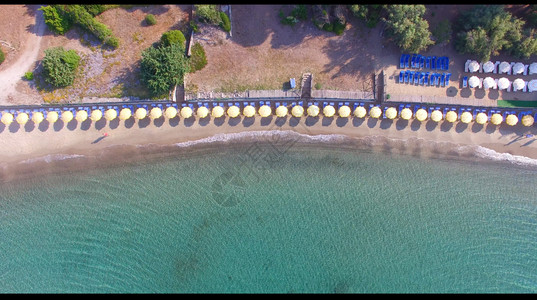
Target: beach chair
(416, 77)
(526, 69)
(480, 68)
(426, 79)
(428, 62)
(440, 63)
(407, 74)
(402, 62)
(466, 64)
(525, 88)
(496, 85)
(510, 69)
(433, 62)
(422, 61)
(446, 63)
(422, 74)
(410, 77)
(448, 76)
(496, 69)
(407, 61)
(442, 79)
(480, 83)
(401, 75)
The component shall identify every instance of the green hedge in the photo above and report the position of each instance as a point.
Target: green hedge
(2, 56)
(198, 60)
(225, 23)
(173, 37)
(56, 20)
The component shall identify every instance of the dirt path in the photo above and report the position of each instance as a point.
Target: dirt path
(13, 74)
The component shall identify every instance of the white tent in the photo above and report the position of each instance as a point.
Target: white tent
(533, 68)
(489, 83)
(518, 68)
(473, 81)
(504, 67)
(532, 85)
(488, 67)
(518, 84)
(473, 66)
(503, 83)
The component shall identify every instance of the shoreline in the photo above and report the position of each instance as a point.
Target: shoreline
(56, 148)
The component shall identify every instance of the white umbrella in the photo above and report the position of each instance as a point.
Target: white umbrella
(532, 85)
(110, 114)
(37, 117)
(186, 112)
(451, 116)
(473, 66)
(22, 118)
(281, 111)
(140, 113)
(360, 112)
(344, 111)
(297, 111)
(466, 117)
(533, 68)
(375, 112)
(217, 111)
(95, 115)
(511, 120)
(496, 119)
(406, 113)
(170, 112)
(481, 118)
(265, 111)
(7, 118)
(67, 116)
(313, 110)
(518, 68)
(202, 112)
(527, 120)
(504, 67)
(248, 111)
(489, 83)
(473, 81)
(503, 83)
(391, 113)
(81, 115)
(125, 113)
(421, 114)
(488, 67)
(436, 116)
(329, 111)
(233, 111)
(518, 84)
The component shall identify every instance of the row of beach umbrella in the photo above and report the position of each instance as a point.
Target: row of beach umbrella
(233, 111)
(502, 83)
(503, 67)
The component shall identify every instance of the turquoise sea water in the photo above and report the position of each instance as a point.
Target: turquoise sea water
(256, 217)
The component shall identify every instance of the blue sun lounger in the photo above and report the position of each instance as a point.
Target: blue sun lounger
(442, 79)
(428, 62)
(416, 77)
(407, 74)
(422, 61)
(426, 79)
(433, 62)
(407, 61)
(446, 63)
(448, 76)
(401, 75)
(402, 61)
(415, 61)
(465, 82)
(422, 74)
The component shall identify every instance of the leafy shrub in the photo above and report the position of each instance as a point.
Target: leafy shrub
(60, 66)
(173, 37)
(198, 60)
(79, 15)
(208, 13)
(56, 20)
(150, 19)
(338, 27)
(163, 67)
(225, 23)
(29, 75)
(95, 9)
(2, 56)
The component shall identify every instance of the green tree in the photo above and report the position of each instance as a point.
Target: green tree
(407, 27)
(198, 60)
(163, 67)
(173, 37)
(370, 13)
(59, 66)
(528, 45)
(208, 13)
(56, 21)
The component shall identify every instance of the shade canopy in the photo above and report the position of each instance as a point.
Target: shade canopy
(360, 112)
(7, 118)
(518, 68)
(344, 111)
(533, 68)
(406, 113)
(436, 116)
(155, 113)
(391, 113)
(511, 120)
(281, 111)
(95, 115)
(473, 81)
(313, 110)
(329, 111)
(297, 111)
(265, 111)
(52, 116)
(67, 116)
(473, 66)
(202, 112)
(504, 67)
(375, 112)
(488, 67)
(248, 111)
(503, 83)
(170, 112)
(532, 85)
(37, 117)
(140, 113)
(22, 118)
(186, 112)
(451, 116)
(421, 114)
(217, 112)
(496, 119)
(481, 118)
(466, 117)
(110, 114)
(125, 113)
(81, 115)
(518, 84)
(233, 111)
(489, 83)
(527, 120)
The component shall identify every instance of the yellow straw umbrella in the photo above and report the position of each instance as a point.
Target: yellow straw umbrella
(155, 113)
(52, 116)
(202, 112)
(95, 115)
(421, 115)
(125, 113)
(37, 117)
(140, 113)
(217, 112)
(466, 117)
(265, 111)
(67, 116)
(7, 118)
(496, 119)
(360, 112)
(248, 111)
(313, 110)
(22, 118)
(81, 115)
(233, 111)
(186, 112)
(375, 112)
(451, 116)
(297, 111)
(329, 111)
(406, 113)
(344, 111)
(511, 120)
(391, 113)
(281, 111)
(481, 118)
(110, 114)
(436, 116)
(170, 112)
(527, 120)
